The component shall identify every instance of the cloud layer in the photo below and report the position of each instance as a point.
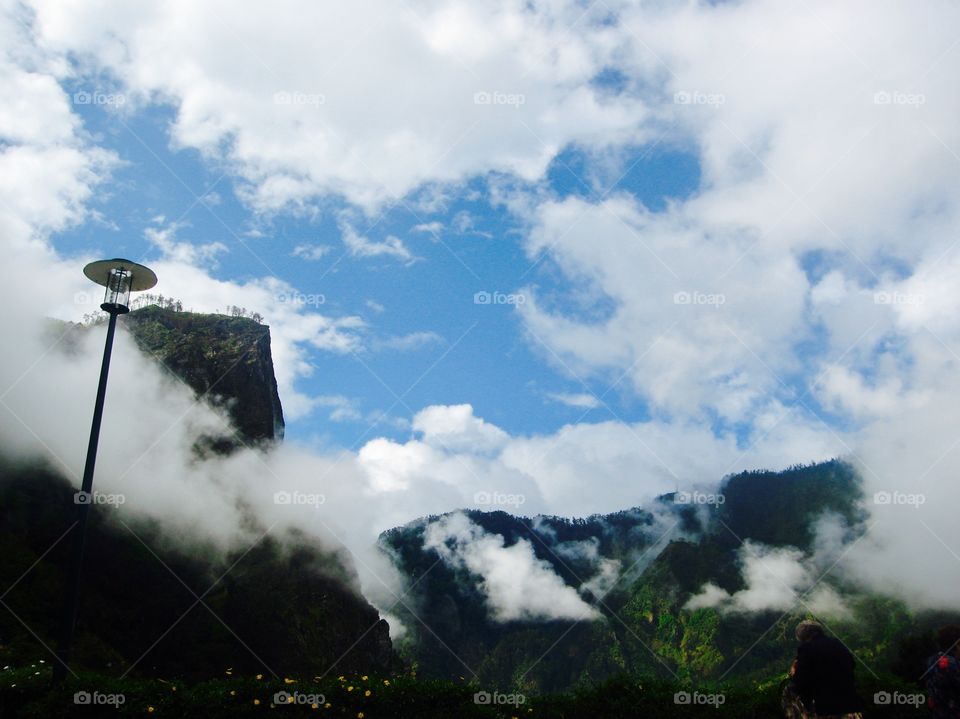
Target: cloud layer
(800, 304)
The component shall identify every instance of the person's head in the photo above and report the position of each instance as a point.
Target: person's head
(948, 639)
(808, 630)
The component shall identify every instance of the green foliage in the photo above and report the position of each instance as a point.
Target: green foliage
(25, 694)
(778, 508)
(287, 603)
(646, 629)
(226, 359)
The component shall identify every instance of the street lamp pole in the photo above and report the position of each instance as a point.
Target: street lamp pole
(120, 277)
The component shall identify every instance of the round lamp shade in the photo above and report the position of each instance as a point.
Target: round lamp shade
(142, 278)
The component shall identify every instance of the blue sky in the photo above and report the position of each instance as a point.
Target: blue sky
(480, 354)
(733, 222)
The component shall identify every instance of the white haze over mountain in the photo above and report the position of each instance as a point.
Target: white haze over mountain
(828, 210)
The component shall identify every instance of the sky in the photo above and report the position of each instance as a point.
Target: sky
(582, 253)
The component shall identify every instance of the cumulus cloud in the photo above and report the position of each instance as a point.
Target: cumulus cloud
(777, 579)
(360, 246)
(450, 89)
(517, 585)
(812, 270)
(582, 469)
(311, 253)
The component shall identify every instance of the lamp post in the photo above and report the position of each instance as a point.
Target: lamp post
(120, 278)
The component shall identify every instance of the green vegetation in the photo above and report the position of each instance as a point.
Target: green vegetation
(646, 628)
(286, 602)
(25, 694)
(227, 359)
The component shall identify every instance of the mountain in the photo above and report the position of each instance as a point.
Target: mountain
(166, 606)
(225, 359)
(655, 559)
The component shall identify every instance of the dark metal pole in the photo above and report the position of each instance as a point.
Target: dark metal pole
(84, 499)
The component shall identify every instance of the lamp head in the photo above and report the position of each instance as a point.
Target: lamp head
(120, 277)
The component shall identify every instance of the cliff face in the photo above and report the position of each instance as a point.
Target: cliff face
(225, 359)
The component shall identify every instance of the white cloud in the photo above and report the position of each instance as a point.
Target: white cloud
(581, 400)
(407, 342)
(579, 470)
(777, 579)
(454, 427)
(687, 338)
(310, 252)
(797, 161)
(450, 89)
(360, 246)
(433, 228)
(517, 585)
(165, 240)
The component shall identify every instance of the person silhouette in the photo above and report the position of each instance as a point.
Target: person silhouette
(822, 683)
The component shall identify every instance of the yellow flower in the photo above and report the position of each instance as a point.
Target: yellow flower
(327, 705)
(233, 692)
(386, 682)
(367, 693)
(313, 706)
(259, 676)
(256, 702)
(288, 681)
(150, 710)
(341, 678)
(359, 715)
(350, 688)
(364, 677)
(174, 688)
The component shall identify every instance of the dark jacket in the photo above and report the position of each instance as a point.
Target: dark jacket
(824, 677)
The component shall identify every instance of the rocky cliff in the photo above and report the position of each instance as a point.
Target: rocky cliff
(224, 359)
